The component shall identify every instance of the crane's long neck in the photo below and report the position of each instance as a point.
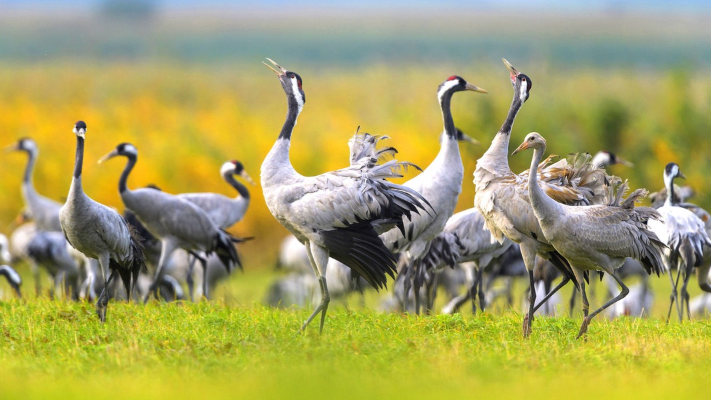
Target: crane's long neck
(30, 167)
(240, 188)
(276, 166)
(76, 187)
(669, 183)
(293, 111)
(543, 206)
(445, 103)
(126, 171)
(496, 159)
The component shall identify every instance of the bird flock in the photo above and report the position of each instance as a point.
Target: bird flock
(353, 229)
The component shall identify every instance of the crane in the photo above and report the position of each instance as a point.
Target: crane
(338, 213)
(99, 232)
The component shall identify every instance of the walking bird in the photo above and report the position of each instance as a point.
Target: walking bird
(44, 211)
(685, 235)
(440, 183)
(502, 196)
(177, 223)
(99, 232)
(339, 213)
(597, 237)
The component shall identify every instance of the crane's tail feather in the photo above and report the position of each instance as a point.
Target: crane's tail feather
(562, 265)
(359, 247)
(226, 251)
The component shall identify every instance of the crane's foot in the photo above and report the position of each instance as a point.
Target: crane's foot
(527, 325)
(101, 307)
(322, 307)
(583, 328)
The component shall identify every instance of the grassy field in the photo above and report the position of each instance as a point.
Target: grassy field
(236, 348)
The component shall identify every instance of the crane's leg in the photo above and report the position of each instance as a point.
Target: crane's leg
(673, 296)
(480, 288)
(431, 291)
(36, 276)
(684, 293)
(103, 301)
(573, 295)
(529, 259)
(319, 261)
(189, 278)
(552, 292)
(203, 263)
(586, 321)
(167, 248)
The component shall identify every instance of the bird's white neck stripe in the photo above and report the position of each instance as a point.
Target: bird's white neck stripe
(522, 90)
(446, 87)
(297, 93)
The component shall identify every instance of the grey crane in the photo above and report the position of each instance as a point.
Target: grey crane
(49, 249)
(13, 278)
(339, 213)
(685, 235)
(440, 183)
(99, 232)
(44, 211)
(502, 196)
(177, 223)
(597, 237)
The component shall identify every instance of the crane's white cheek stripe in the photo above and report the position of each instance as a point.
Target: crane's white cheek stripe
(130, 149)
(297, 93)
(445, 87)
(523, 90)
(226, 167)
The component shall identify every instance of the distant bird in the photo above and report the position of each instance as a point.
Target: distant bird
(13, 278)
(597, 237)
(502, 196)
(49, 249)
(685, 235)
(440, 183)
(44, 211)
(465, 239)
(604, 159)
(177, 223)
(339, 213)
(224, 211)
(99, 232)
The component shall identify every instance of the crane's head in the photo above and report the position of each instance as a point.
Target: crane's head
(13, 278)
(672, 171)
(463, 137)
(604, 159)
(124, 149)
(522, 84)
(25, 144)
(456, 84)
(290, 81)
(235, 167)
(533, 140)
(80, 129)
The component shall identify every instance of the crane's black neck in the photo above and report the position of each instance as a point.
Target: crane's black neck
(291, 115)
(240, 188)
(446, 104)
(670, 192)
(516, 104)
(30, 167)
(79, 159)
(124, 175)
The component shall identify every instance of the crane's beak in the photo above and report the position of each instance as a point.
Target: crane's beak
(523, 146)
(514, 72)
(246, 177)
(624, 162)
(280, 72)
(681, 175)
(113, 153)
(12, 147)
(463, 137)
(475, 88)
(17, 291)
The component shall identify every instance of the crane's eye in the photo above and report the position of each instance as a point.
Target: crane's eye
(530, 139)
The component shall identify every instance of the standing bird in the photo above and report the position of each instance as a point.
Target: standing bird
(45, 212)
(177, 223)
(13, 278)
(224, 211)
(440, 183)
(100, 232)
(597, 237)
(685, 235)
(339, 213)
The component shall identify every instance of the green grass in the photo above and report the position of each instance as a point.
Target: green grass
(236, 348)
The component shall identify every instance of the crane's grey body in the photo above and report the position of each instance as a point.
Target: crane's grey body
(98, 231)
(597, 237)
(44, 211)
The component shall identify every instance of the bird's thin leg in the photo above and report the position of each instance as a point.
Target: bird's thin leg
(684, 293)
(189, 278)
(573, 295)
(36, 276)
(480, 287)
(167, 248)
(319, 261)
(529, 259)
(584, 296)
(104, 296)
(205, 285)
(431, 292)
(562, 283)
(673, 296)
(587, 319)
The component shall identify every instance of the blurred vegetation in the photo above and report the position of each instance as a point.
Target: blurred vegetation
(186, 120)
